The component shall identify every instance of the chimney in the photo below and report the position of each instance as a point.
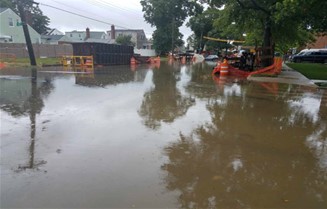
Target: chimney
(87, 34)
(113, 32)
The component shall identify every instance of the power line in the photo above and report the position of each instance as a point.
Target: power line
(116, 6)
(69, 6)
(90, 18)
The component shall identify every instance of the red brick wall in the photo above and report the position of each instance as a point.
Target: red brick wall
(321, 42)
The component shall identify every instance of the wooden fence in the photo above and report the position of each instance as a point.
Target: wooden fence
(40, 50)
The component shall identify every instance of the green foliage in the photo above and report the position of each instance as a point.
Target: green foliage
(270, 23)
(34, 15)
(201, 25)
(292, 21)
(125, 40)
(167, 16)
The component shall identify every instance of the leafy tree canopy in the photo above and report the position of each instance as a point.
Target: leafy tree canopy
(290, 20)
(167, 16)
(33, 13)
(125, 40)
(269, 23)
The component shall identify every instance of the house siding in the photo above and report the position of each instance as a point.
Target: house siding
(16, 32)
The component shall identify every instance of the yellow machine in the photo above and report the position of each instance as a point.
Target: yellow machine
(78, 61)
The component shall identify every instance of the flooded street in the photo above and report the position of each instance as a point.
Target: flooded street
(160, 137)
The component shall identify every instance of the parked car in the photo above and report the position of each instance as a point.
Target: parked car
(212, 58)
(311, 56)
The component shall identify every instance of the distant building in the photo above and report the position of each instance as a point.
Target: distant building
(53, 31)
(138, 36)
(321, 42)
(54, 36)
(87, 36)
(11, 30)
(54, 39)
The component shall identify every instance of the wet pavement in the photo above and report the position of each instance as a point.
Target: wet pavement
(168, 136)
(288, 76)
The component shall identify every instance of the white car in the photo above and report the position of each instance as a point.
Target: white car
(212, 58)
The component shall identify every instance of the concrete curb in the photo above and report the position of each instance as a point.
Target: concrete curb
(288, 75)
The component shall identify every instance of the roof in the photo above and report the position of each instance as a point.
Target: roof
(2, 9)
(128, 30)
(95, 40)
(75, 31)
(96, 35)
(52, 37)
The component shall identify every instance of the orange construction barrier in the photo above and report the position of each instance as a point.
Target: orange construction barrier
(224, 68)
(183, 60)
(2, 65)
(133, 61)
(217, 68)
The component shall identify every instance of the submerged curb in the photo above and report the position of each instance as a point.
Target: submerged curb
(287, 75)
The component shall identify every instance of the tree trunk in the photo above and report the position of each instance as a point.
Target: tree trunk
(267, 49)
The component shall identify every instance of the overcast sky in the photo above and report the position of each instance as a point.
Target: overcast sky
(124, 14)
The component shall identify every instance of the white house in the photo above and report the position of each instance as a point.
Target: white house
(88, 36)
(11, 30)
(138, 36)
(53, 31)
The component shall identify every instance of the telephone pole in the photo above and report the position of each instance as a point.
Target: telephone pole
(172, 35)
(26, 33)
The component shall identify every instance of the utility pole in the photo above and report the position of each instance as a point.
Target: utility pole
(172, 36)
(26, 33)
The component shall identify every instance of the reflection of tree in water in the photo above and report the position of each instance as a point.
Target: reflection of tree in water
(163, 103)
(249, 156)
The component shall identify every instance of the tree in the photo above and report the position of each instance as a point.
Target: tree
(33, 13)
(125, 40)
(272, 22)
(167, 16)
(201, 25)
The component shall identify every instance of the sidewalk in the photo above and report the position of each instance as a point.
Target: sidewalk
(288, 75)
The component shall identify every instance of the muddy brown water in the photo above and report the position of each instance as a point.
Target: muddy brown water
(168, 136)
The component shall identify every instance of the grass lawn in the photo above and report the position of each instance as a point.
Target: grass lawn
(311, 70)
(26, 61)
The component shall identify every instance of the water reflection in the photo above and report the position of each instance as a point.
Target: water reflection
(111, 75)
(164, 102)
(21, 96)
(254, 153)
(221, 144)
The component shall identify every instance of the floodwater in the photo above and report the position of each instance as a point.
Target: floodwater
(167, 136)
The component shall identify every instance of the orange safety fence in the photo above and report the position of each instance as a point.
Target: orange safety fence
(275, 68)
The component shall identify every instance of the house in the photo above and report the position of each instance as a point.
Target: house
(11, 30)
(54, 39)
(88, 36)
(53, 31)
(138, 36)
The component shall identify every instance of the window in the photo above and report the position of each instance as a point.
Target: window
(11, 22)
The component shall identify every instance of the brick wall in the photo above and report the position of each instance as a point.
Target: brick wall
(321, 42)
